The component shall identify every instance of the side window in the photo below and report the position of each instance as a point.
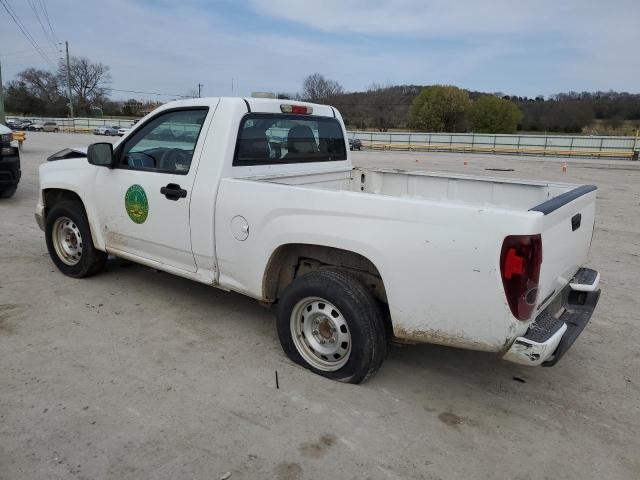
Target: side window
(166, 143)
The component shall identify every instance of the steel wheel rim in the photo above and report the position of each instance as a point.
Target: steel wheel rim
(67, 240)
(320, 333)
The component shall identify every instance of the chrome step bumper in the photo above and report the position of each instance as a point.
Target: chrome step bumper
(551, 335)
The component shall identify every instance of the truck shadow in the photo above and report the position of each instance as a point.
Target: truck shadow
(206, 309)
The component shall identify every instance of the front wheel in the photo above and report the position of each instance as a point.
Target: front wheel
(7, 193)
(331, 324)
(70, 243)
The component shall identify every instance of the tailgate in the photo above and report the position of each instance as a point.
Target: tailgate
(567, 230)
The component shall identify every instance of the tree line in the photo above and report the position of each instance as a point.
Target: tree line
(40, 92)
(449, 108)
(438, 108)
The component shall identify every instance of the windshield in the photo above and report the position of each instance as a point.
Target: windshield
(266, 138)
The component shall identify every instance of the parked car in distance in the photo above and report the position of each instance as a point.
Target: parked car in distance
(19, 124)
(44, 127)
(350, 257)
(50, 127)
(123, 131)
(106, 130)
(9, 163)
(355, 144)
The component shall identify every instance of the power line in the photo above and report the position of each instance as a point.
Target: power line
(14, 16)
(44, 30)
(24, 50)
(31, 53)
(24, 31)
(43, 6)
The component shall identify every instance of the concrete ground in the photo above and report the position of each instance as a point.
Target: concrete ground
(136, 374)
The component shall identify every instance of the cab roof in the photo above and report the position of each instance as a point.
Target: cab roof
(258, 105)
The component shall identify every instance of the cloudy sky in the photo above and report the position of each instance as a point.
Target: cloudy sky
(512, 46)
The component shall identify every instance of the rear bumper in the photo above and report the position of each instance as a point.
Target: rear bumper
(555, 330)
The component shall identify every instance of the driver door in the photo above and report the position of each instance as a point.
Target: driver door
(143, 203)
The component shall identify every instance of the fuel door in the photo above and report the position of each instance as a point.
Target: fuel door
(239, 228)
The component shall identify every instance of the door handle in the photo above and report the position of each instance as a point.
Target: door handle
(173, 191)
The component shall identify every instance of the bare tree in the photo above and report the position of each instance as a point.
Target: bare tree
(318, 89)
(88, 81)
(41, 84)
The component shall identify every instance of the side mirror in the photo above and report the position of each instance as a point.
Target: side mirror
(100, 154)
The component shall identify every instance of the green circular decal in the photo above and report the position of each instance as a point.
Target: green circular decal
(136, 204)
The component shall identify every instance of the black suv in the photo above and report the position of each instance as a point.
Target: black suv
(9, 164)
(355, 144)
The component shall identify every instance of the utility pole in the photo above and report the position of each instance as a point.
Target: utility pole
(2, 117)
(69, 81)
(232, 86)
(200, 85)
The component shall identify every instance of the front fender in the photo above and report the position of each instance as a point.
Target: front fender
(75, 176)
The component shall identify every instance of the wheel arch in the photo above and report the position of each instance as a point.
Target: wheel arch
(53, 195)
(293, 259)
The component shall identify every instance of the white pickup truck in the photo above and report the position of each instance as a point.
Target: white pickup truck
(259, 196)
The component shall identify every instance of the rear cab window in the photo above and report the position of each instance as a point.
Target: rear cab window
(271, 138)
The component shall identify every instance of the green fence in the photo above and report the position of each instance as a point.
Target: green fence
(553, 145)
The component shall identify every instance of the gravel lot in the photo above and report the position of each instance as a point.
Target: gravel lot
(137, 374)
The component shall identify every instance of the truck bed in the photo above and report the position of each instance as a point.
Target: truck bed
(421, 231)
(443, 187)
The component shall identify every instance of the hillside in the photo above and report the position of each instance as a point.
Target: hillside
(384, 108)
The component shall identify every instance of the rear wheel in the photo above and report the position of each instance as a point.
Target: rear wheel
(70, 243)
(331, 324)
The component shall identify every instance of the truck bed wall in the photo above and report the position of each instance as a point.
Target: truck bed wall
(463, 189)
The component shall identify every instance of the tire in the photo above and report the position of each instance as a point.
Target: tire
(7, 193)
(107, 133)
(75, 255)
(350, 322)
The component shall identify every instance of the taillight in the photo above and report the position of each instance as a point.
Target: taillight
(297, 109)
(520, 261)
